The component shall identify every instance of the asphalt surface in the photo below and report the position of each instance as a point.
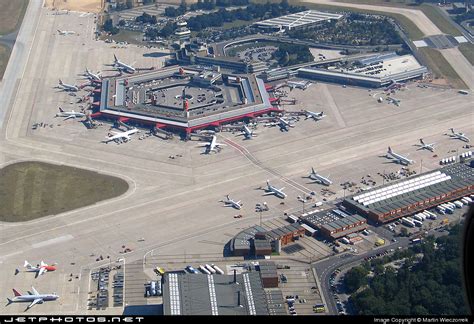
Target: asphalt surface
(18, 58)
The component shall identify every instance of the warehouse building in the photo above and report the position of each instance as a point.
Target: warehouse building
(257, 241)
(415, 194)
(299, 20)
(373, 72)
(335, 223)
(200, 294)
(268, 274)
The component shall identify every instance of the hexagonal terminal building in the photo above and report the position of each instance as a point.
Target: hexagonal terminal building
(182, 99)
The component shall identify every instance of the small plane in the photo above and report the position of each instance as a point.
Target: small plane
(66, 32)
(282, 123)
(69, 114)
(93, 77)
(459, 135)
(232, 203)
(67, 87)
(123, 66)
(271, 190)
(40, 269)
(323, 180)
(121, 136)
(212, 146)
(399, 158)
(247, 132)
(395, 101)
(33, 297)
(424, 146)
(314, 115)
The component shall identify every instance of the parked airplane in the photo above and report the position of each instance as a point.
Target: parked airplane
(33, 297)
(459, 135)
(69, 114)
(423, 146)
(123, 66)
(212, 146)
(92, 76)
(67, 87)
(323, 180)
(247, 132)
(42, 268)
(121, 136)
(314, 115)
(399, 158)
(66, 32)
(395, 101)
(232, 203)
(271, 190)
(282, 123)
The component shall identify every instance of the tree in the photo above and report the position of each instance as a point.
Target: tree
(109, 27)
(355, 278)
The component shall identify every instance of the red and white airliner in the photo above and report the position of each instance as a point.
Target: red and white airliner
(40, 268)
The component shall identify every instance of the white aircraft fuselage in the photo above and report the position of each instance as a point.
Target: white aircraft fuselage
(400, 158)
(323, 180)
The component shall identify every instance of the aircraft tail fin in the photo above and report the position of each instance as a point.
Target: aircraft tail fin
(27, 265)
(115, 57)
(60, 82)
(60, 109)
(9, 301)
(421, 141)
(43, 264)
(390, 150)
(268, 183)
(16, 293)
(312, 170)
(227, 197)
(452, 130)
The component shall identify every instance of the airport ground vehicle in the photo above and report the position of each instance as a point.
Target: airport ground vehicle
(159, 271)
(319, 308)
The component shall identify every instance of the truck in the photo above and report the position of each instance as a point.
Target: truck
(418, 217)
(417, 223)
(203, 269)
(191, 269)
(464, 92)
(468, 199)
(416, 241)
(407, 222)
(458, 204)
(452, 205)
(430, 214)
(345, 240)
(441, 209)
(218, 270)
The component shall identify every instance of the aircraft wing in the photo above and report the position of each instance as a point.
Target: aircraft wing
(36, 301)
(281, 189)
(203, 144)
(70, 116)
(219, 144)
(268, 193)
(35, 292)
(41, 271)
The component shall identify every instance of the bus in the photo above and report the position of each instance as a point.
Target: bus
(319, 308)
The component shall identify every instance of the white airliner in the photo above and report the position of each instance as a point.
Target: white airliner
(247, 132)
(212, 146)
(123, 66)
(121, 136)
(316, 116)
(424, 146)
(66, 32)
(271, 190)
(67, 87)
(92, 76)
(282, 123)
(459, 135)
(232, 203)
(399, 158)
(42, 268)
(323, 180)
(69, 114)
(33, 298)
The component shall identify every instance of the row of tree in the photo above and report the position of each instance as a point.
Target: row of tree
(251, 12)
(291, 54)
(202, 5)
(430, 284)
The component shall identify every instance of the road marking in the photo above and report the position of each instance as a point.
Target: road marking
(53, 241)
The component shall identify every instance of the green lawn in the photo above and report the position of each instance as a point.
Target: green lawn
(441, 68)
(467, 49)
(30, 190)
(11, 15)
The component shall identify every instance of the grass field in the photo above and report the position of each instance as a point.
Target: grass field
(467, 49)
(30, 190)
(11, 15)
(441, 67)
(4, 55)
